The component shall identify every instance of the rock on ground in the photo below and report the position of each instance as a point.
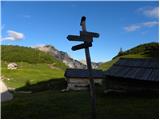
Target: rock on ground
(12, 66)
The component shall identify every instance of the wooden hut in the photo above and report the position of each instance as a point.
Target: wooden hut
(78, 79)
(133, 74)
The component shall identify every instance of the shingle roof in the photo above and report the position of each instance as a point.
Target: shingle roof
(140, 69)
(83, 73)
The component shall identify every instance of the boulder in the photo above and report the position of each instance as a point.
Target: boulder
(12, 66)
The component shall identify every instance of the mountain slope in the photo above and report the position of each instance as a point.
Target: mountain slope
(61, 56)
(95, 65)
(143, 50)
(10, 53)
(147, 50)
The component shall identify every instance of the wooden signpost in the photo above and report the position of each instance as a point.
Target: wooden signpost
(87, 38)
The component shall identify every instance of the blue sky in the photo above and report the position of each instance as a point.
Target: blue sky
(120, 25)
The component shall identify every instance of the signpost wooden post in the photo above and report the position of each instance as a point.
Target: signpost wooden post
(92, 85)
(87, 37)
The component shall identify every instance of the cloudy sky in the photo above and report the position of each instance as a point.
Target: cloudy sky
(120, 25)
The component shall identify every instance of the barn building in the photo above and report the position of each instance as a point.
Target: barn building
(77, 79)
(130, 74)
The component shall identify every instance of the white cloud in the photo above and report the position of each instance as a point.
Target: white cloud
(150, 23)
(135, 27)
(154, 12)
(13, 36)
(150, 12)
(132, 28)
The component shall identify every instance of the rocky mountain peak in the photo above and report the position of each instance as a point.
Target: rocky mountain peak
(94, 64)
(62, 56)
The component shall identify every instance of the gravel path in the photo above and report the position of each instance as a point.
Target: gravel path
(5, 94)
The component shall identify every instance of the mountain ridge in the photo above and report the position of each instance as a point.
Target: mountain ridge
(65, 58)
(62, 56)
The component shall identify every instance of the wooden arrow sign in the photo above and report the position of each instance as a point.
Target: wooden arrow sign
(91, 34)
(74, 38)
(80, 46)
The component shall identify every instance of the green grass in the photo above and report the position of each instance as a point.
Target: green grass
(107, 65)
(143, 50)
(12, 53)
(147, 50)
(55, 104)
(32, 73)
(135, 56)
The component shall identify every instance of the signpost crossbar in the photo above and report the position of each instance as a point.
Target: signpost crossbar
(80, 46)
(92, 34)
(74, 38)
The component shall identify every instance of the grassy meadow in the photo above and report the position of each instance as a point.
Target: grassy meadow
(46, 80)
(29, 74)
(47, 100)
(75, 104)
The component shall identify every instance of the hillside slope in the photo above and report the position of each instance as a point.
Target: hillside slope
(28, 74)
(10, 53)
(143, 50)
(147, 50)
(95, 65)
(61, 56)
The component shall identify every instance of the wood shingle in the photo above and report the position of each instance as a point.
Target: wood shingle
(133, 68)
(83, 73)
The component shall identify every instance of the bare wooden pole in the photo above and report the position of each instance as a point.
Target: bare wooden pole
(92, 85)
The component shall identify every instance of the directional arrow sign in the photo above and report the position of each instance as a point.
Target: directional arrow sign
(80, 46)
(74, 38)
(91, 34)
